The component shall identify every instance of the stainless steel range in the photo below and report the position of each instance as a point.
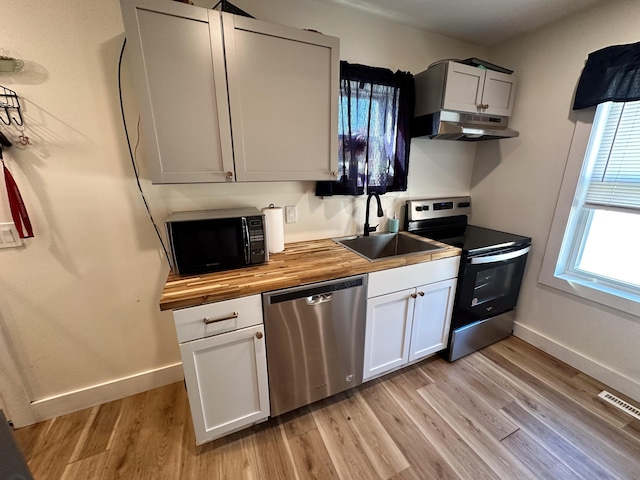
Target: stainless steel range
(491, 270)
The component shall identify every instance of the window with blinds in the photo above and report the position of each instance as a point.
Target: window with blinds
(606, 207)
(614, 180)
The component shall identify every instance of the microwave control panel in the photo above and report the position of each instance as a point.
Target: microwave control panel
(256, 239)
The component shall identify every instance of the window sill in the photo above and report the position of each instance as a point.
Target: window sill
(593, 294)
(596, 292)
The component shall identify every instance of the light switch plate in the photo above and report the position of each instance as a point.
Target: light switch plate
(9, 237)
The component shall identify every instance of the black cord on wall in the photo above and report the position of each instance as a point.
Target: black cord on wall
(133, 162)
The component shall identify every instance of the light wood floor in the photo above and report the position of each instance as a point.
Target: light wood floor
(509, 411)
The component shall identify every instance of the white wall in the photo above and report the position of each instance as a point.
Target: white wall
(79, 303)
(515, 185)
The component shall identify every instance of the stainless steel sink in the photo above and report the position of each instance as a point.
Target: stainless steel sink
(379, 246)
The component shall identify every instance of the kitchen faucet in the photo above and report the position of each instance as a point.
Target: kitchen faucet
(368, 229)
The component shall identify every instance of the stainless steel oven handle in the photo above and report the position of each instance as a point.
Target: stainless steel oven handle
(245, 238)
(501, 257)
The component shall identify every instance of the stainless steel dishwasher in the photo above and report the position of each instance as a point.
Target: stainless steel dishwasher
(315, 340)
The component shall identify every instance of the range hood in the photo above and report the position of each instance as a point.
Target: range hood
(470, 127)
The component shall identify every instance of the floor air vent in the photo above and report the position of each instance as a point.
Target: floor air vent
(621, 404)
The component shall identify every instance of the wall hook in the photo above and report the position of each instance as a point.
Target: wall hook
(9, 100)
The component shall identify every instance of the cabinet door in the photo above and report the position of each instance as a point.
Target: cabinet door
(226, 377)
(283, 93)
(177, 58)
(386, 345)
(432, 318)
(463, 89)
(499, 93)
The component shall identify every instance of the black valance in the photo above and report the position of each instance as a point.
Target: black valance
(610, 74)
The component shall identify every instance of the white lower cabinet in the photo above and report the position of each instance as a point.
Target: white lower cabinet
(388, 332)
(407, 324)
(431, 318)
(226, 373)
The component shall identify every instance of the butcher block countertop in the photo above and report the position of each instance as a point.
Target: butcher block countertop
(300, 263)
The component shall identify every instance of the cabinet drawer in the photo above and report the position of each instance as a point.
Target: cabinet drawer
(214, 318)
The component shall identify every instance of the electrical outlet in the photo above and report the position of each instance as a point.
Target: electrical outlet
(9, 237)
(291, 214)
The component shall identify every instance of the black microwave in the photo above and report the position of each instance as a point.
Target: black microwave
(211, 240)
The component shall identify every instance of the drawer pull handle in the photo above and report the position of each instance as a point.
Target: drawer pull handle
(208, 320)
(259, 335)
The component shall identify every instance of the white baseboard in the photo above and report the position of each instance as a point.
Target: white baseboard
(606, 375)
(93, 395)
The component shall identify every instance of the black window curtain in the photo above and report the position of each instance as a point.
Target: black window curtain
(376, 107)
(611, 74)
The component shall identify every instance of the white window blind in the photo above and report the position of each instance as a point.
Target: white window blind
(615, 178)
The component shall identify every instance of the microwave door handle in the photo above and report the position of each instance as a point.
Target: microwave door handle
(501, 257)
(245, 238)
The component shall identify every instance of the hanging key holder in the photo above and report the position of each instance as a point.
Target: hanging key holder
(22, 138)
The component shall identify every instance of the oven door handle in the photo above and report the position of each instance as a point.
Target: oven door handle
(501, 257)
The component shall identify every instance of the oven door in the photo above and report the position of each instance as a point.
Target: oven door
(489, 285)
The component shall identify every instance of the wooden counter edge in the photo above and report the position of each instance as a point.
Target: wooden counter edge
(286, 271)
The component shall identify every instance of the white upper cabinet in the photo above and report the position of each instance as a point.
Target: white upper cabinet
(178, 68)
(476, 90)
(260, 105)
(283, 91)
(499, 93)
(464, 88)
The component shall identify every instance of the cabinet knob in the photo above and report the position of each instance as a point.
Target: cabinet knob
(229, 174)
(421, 294)
(413, 295)
(259, 335)
(336, 173)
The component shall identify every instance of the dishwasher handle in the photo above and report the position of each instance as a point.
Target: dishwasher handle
(317, 293)
(318, 299)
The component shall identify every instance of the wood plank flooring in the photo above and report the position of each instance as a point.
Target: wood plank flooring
(507, 412)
